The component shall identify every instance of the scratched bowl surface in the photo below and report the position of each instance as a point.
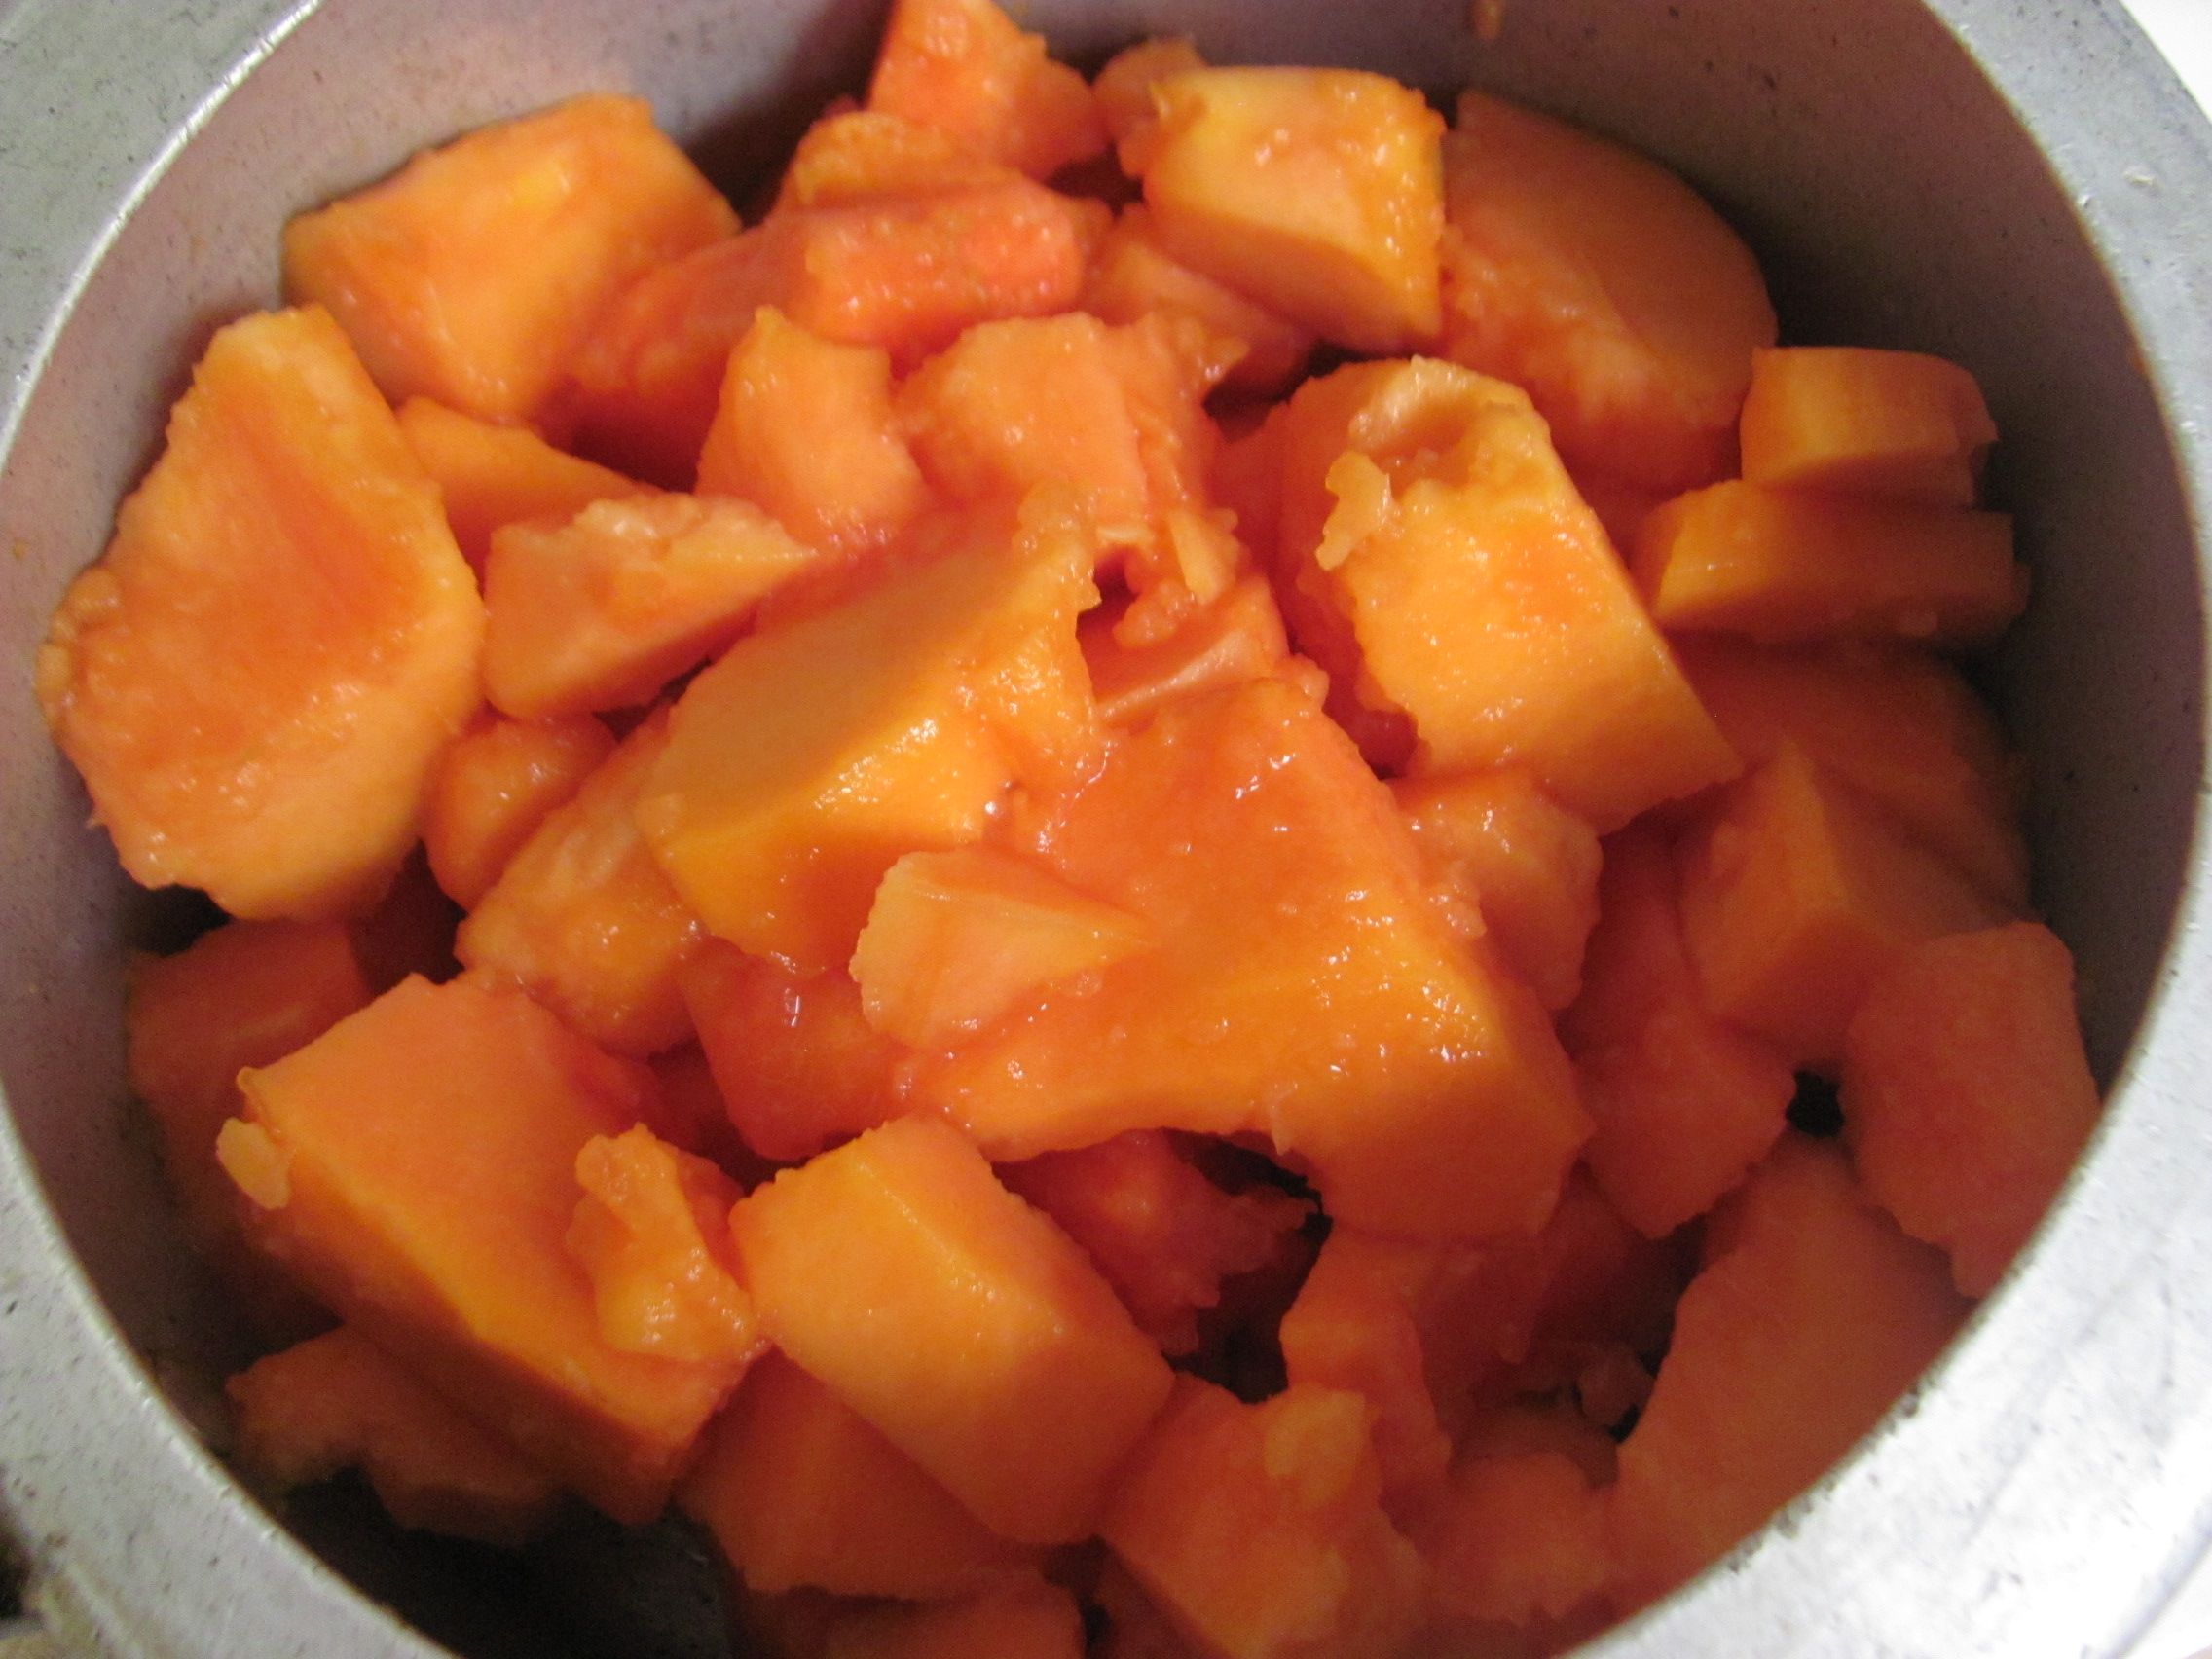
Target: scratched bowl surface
(2021, 187)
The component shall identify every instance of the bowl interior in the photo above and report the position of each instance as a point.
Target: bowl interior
(1895, 195)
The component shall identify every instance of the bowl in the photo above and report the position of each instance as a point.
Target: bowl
(2021, 188)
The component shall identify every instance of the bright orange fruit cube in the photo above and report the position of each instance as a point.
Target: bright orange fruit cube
(1895, 426)
(493, 787)
(963, 68)
(492, 475)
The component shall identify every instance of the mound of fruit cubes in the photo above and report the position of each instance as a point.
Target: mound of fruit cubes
(1191, 870)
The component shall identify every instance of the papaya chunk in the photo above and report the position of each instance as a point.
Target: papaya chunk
(963, 68)
(1509, 864)
(852, 156)
(1435, 558)
(1897, 725)
(799, 1491)
(1030, 1619)
(806, 761)
(1966, 1093)
(583, 919)
(1520, 1537)
(415, 1165)
(1237, 637)
(651, 1231)
(1049, 1385)
(1301, 987)
(1788, 566)
(1317, 192)
(495, 785)
(1603, 285)
(257, 676)
(806, 428)
(956, 940)
(797, 1062)
(336, 1402)
(1133, 277)
(492, 475)
(1260, 1529)
(1812, 1315)
(473, 273)
(1798, 892)
(1894, 425)
(1163, 1235)
(1124, 87)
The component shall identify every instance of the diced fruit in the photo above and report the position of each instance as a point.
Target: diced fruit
(962, 67)
(1521, 1536)
(257, 676)
(1509, 864)
(246, 994)
(1435, 558)
(1260, 1527)
(1302, 986)
(1024, 1620)
(495, 785)
(799, 1064)
(806, 428)
(1607, 286)
(1684, 1104)
(1897, 426)
(851, 156)
(957, 941)
(336, 1402)
(1317, 192)
(799, 1491)
(1788, 566)
(960, 1322)
(1133, 277)
(811, 756)
(1798, 892)
(473, 273)
(906, 274)
(602, 612)
(651, 1232)
(1812, 1315)
(492, 475)
(1123, 88)
(583, 919)
(416, 1166)
(1894, 723)
(1163, 1235)
(1967, 1095)
(1237, 638)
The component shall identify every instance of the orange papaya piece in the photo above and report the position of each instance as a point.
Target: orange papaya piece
(1434, 557)
(865, 1262)
(495, 785)
(1790, 566)
(799, 1491)
(1124, 87)
(1900, 727)
(1297, 963)
(1260, 1529)
(1029, 1619)
(415, 1165)
(963, 68)
(1798, 892)
(1237, 637)
(1520, 1536)
(245, 994)
(602, 612)
(807, 430)
(258, 675)
(907, 275)
(1685, 1105)
(1317, 192)
(957, 941)
(1163, 1235)
(797, 1062)
(1132, 276)
(336, 1402)
(852, 156)
(1608, 287)
(473, 273)
(1812, 1315)
(810, 757)
(582, 918)
(490, 476)
(1509, 862)
(1967, 1095)
(1894, 426)
(651, 1232)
